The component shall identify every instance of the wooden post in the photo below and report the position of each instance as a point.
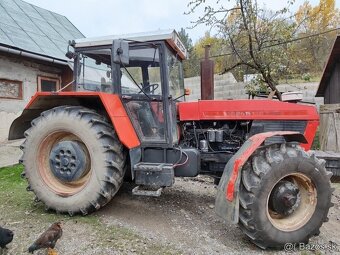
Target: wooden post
(330, 127)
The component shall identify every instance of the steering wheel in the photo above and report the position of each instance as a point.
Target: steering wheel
(154, 86)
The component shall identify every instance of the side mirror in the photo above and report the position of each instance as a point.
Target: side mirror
(108, 74)
(70, 54)
(120, 52)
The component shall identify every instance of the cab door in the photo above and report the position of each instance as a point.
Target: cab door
(144, 94)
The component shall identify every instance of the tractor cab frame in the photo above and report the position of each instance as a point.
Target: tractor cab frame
(147, 75)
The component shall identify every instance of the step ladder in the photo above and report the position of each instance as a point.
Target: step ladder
(144, 191)
(152, 177)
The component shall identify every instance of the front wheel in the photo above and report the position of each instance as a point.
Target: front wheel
(285, 196)
(73, 160)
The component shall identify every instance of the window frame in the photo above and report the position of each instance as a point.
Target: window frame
(20, 91)
(40, 78)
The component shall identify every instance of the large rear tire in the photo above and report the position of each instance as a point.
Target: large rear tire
(74, 162)
(285, 196)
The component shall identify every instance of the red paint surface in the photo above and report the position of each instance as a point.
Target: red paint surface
(309, 134)
(120, 120)
(245, 110)
(256, 140)
(114, 108)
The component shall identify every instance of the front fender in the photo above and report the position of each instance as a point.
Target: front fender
(227, 198)
(106, 104)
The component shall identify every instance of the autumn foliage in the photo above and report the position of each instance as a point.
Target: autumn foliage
(276, 45)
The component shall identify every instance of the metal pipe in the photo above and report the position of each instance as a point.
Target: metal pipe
(32, 55)
(207, 76)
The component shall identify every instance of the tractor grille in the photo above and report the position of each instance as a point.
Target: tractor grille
(269, 126)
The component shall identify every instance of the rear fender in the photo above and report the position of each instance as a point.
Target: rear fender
(109, 105)
(227, 198)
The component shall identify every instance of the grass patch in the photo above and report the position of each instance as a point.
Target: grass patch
(13, 189)
(17, 208)
(9, 175)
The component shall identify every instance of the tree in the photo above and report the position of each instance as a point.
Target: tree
(189, 65)
(217, 47)
(321, 17)
(197, 52)
(253, 35)
(315, 20)
(185, 38)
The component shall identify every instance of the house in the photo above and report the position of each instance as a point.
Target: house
(329, 86)
(33, 43)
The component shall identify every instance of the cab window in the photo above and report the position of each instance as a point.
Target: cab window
(143, 74)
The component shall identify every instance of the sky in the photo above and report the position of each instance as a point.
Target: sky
(113, 17)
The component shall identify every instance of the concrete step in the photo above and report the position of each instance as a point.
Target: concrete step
(9, 155)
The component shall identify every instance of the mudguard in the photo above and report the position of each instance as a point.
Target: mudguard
(109, 104)
(227, 198)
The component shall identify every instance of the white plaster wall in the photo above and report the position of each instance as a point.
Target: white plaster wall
(14, 68)
(6, 119)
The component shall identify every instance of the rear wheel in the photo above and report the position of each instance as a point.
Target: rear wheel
(285, 196)
(73, 160)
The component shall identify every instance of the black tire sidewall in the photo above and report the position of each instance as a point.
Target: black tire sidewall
(66, 122)
(312, 170)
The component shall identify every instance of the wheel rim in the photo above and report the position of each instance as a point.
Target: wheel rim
(47, 151)
(298, 209)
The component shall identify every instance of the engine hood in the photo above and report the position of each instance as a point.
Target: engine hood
(245, 110)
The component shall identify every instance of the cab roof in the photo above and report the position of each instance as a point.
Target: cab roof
(170, 36)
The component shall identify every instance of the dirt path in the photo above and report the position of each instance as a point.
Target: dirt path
(184, 217)
(181, 221)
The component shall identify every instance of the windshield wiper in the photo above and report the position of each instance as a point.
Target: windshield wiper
(140, 88)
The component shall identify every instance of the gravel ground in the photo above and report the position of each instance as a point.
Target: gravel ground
(181, 221)
(184, 217)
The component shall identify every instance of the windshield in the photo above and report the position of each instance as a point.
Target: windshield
(142, 75)
(176, 80)
(141, 79)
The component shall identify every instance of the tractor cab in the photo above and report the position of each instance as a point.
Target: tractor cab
(145, 70)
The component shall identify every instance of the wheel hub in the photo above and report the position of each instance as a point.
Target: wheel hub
(68, 161)
(285, 198)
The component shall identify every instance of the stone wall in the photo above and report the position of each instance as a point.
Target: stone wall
(226, 87)
(15, 68)
(308, 90)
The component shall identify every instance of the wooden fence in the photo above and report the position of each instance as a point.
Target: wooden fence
(330, 127)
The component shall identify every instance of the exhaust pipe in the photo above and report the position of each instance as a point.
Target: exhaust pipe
(207, 76)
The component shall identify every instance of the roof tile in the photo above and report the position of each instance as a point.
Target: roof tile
(34, 29)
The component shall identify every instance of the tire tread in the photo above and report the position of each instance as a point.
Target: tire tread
(251, 179)
(111, 146)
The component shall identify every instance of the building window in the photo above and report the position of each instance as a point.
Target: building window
(10, 89)
(47, 84)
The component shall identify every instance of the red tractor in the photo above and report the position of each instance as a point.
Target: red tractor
(125, 118)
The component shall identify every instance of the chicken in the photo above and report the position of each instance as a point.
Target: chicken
(6, 236)
(48, 239)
